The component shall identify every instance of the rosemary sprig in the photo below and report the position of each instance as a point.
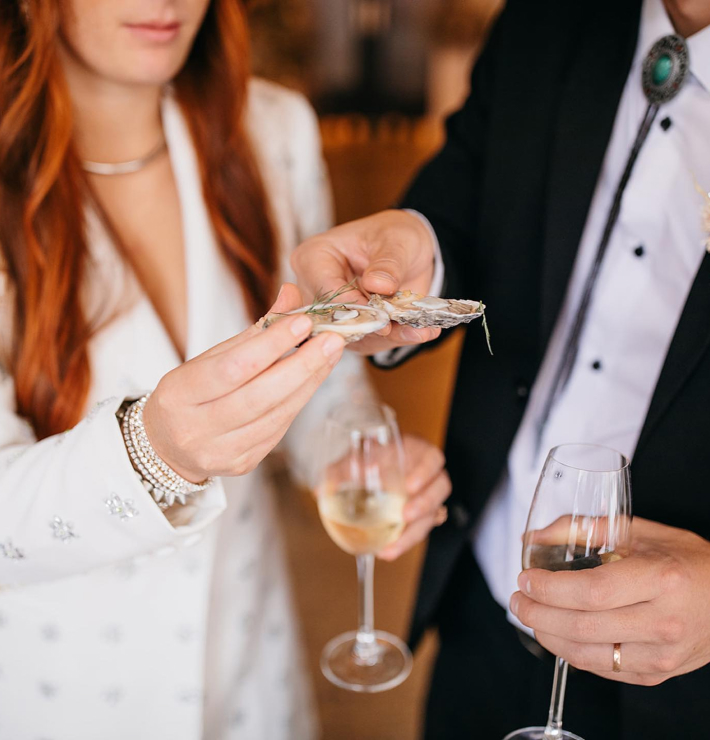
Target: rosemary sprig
(485, 328)
(327, 298)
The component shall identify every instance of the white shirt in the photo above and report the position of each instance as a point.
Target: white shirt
(115, 626)
(654, 254)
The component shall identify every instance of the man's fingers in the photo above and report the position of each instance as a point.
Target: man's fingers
(625, 624)
(320, 267)
(628, 581)
(636, 657)
(397, 336)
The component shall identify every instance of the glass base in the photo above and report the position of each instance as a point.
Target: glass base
(538, 733)
(389, 666)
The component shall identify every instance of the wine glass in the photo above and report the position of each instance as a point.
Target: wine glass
(361, 497)
(580, 518)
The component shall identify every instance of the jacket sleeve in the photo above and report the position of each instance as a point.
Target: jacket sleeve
(313, 205)
(72, 502)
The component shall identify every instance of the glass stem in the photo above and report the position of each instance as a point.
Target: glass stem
(553, 730)
(366, 649)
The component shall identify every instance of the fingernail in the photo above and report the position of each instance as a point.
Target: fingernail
(332, 345)
(514, 604)
(524, 583)
(410, 335)
(301, 326)
(382, 275)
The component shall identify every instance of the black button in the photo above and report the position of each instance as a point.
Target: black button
(460, 516)
(666, 123)
(639, 250)
(523, 390)
(597, 365)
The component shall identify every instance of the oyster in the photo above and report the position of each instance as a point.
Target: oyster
(406, 307)
(351, 320)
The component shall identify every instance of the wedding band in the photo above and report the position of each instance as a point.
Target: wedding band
(442, 514)
(617, 657)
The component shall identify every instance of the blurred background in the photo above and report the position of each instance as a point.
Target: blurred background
(382, 75)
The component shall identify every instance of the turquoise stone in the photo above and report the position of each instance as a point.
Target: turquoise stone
(662, 69)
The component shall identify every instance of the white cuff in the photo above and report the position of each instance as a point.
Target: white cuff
(393, 356)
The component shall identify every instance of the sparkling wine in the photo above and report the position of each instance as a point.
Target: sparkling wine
(564, 557)
(361, 521)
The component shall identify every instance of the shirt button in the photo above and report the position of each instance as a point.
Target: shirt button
(522, 390)
(597, 365)
(639, 251)
(666, 123)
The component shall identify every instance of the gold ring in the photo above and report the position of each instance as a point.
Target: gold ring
(617, 657)
(442, 514)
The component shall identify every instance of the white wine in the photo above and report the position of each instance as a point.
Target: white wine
(562, 557)
(362, 522)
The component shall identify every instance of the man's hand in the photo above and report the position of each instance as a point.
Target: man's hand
(386, 252)
(655, 603)
(428, 486)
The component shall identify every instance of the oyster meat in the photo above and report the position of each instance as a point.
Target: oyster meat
(419, 311)
(351, 320)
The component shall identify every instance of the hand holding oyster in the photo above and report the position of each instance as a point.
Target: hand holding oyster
(353, 321)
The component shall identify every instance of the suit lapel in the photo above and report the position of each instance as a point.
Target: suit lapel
(690, 342)
(585, 120)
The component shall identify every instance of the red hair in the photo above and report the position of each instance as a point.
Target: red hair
(43, 190)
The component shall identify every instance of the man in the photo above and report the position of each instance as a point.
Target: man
(518, 200)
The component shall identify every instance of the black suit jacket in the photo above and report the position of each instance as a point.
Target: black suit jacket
(508, 197)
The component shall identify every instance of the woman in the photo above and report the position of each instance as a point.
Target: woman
(143, 228)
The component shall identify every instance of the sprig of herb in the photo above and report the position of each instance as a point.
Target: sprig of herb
(485, 327)
(322, 299)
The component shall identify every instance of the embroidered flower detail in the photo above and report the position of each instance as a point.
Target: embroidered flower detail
(8, 550)
(48, 690)
(62, 530)
(97, 407)
(113, 696)
(50, 633)
(120, 508)
(15, 456)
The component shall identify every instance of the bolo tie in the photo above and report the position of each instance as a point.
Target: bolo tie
(665, 70)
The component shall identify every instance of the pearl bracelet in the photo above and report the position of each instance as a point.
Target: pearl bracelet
(160, 480)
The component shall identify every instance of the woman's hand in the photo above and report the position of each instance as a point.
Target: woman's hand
(222, 412)
(428, 486)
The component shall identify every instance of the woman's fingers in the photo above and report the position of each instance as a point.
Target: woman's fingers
(272, 424)
(210, 378)
(427, 503)
(424, 462)
(307, 366)
(412, 535)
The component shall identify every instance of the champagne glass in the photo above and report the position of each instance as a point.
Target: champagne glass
(580, 518)
(361, 497)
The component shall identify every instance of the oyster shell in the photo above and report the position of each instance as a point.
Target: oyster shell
(351, 320)
(419, 311)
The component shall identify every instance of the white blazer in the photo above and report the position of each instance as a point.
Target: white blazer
(113, 623)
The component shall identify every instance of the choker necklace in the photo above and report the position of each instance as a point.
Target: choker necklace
(124, 168)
